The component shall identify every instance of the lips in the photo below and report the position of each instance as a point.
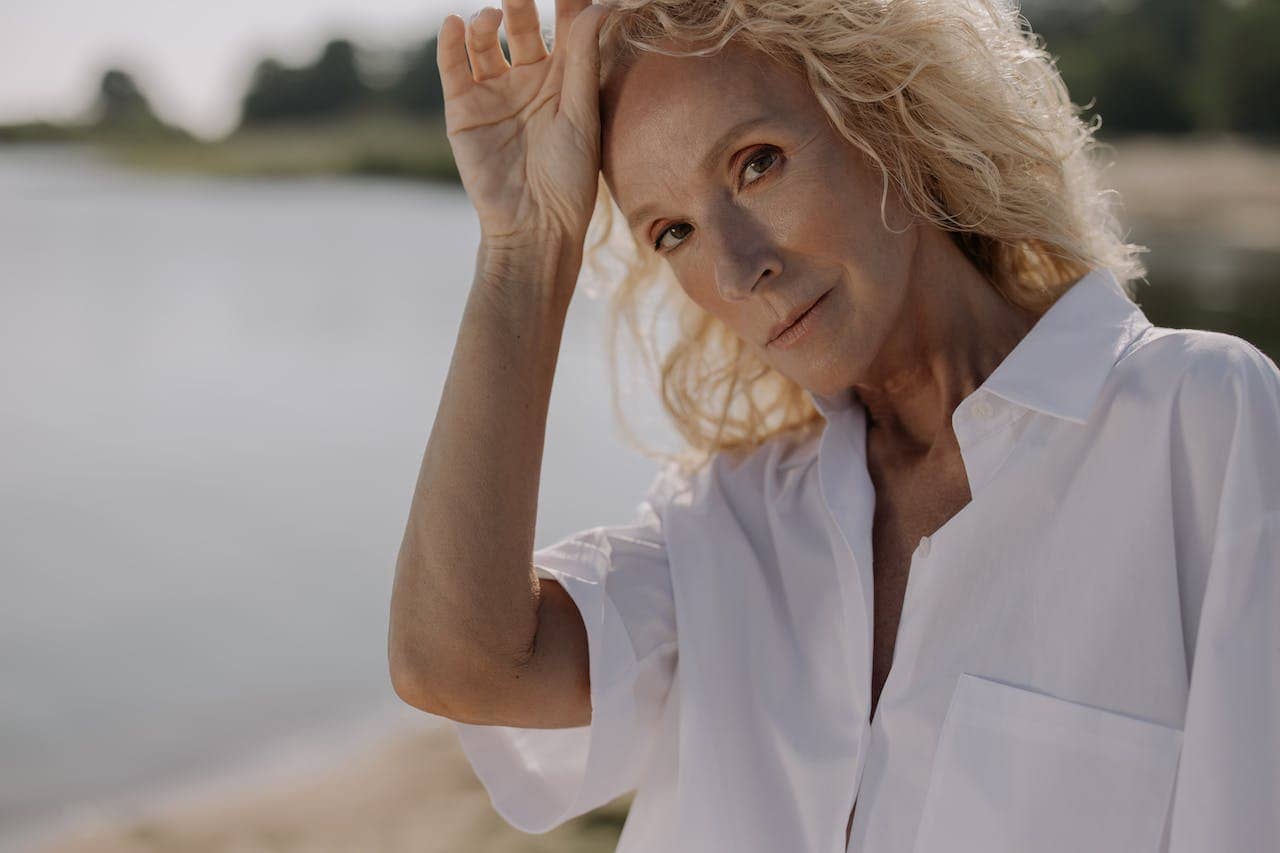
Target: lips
(792, 316)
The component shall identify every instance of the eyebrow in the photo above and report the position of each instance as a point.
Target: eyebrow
(713, 156)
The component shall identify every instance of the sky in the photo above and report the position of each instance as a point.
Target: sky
(192, 59)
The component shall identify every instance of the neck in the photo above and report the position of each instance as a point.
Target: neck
(952, 331)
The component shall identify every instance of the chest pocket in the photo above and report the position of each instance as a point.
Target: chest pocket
(1017, 770)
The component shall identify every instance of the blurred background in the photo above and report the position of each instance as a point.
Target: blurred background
(233, 259)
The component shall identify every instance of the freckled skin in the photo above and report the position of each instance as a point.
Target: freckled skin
(910, 324)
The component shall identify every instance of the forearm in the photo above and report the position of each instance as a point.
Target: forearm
(465, 596)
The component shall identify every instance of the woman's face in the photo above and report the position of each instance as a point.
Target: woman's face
(759, 219)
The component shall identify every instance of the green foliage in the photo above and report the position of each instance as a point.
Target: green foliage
(366, 144)
(1147, 66)
(333, 86)
(122, 112)
(1245, 59)
(328, 87)
(42, 131)
(121, 103)
(418, 90)
(1168, 66)
(119, 114)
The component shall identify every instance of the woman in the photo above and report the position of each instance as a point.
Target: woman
(975, 557)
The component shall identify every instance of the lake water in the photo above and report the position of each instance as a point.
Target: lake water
(215, 397)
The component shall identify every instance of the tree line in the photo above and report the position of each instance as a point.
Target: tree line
(1144, 66)
(1149, 66)
(1168, 66)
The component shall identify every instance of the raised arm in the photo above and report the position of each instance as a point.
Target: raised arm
(474, 634)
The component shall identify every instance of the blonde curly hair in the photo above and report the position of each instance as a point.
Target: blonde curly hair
(961, 108)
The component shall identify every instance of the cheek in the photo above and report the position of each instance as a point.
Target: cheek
(735, 315)
(805, 210)
(697, 280)
(701, 291)
(821, 197)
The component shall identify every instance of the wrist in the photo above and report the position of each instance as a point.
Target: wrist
(541, 263)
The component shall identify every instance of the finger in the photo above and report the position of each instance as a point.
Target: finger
(524, 33)
(451, 57)
(566, 11)
(482, 45)
(580, 95)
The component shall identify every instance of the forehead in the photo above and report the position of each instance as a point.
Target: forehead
(663, 114)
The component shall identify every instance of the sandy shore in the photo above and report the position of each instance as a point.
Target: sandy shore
(413, 791)
(1226, 189)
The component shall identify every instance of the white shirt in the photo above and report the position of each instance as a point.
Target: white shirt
(1088, 657)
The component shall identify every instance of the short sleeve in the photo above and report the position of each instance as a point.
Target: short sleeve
(1227, 791)
(620, 580)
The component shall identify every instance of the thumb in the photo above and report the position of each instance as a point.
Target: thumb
(580, 94)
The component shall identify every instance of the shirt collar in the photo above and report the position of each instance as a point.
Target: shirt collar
(1059, 367)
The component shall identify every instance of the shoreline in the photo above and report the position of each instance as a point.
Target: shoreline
(1155, 178)
(398, 782)
(254, 767)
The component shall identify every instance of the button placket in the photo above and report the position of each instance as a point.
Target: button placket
(848, 498)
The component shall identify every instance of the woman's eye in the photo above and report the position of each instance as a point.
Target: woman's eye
(659, 245)
(767, 157)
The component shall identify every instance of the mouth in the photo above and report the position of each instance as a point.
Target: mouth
(793, 318)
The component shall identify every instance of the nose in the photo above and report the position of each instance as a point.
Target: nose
(744, 257)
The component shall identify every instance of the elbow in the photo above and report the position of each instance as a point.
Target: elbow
(408, 683)
(445, 667)
(441, 687)
(417, 676)
(414, 663)
(475, 692)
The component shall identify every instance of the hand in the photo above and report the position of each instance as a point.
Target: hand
(525, 135)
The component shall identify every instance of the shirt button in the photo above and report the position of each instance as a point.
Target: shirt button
(983, 409)
(923, 550)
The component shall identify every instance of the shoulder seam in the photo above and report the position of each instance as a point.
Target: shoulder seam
(1146, 336)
